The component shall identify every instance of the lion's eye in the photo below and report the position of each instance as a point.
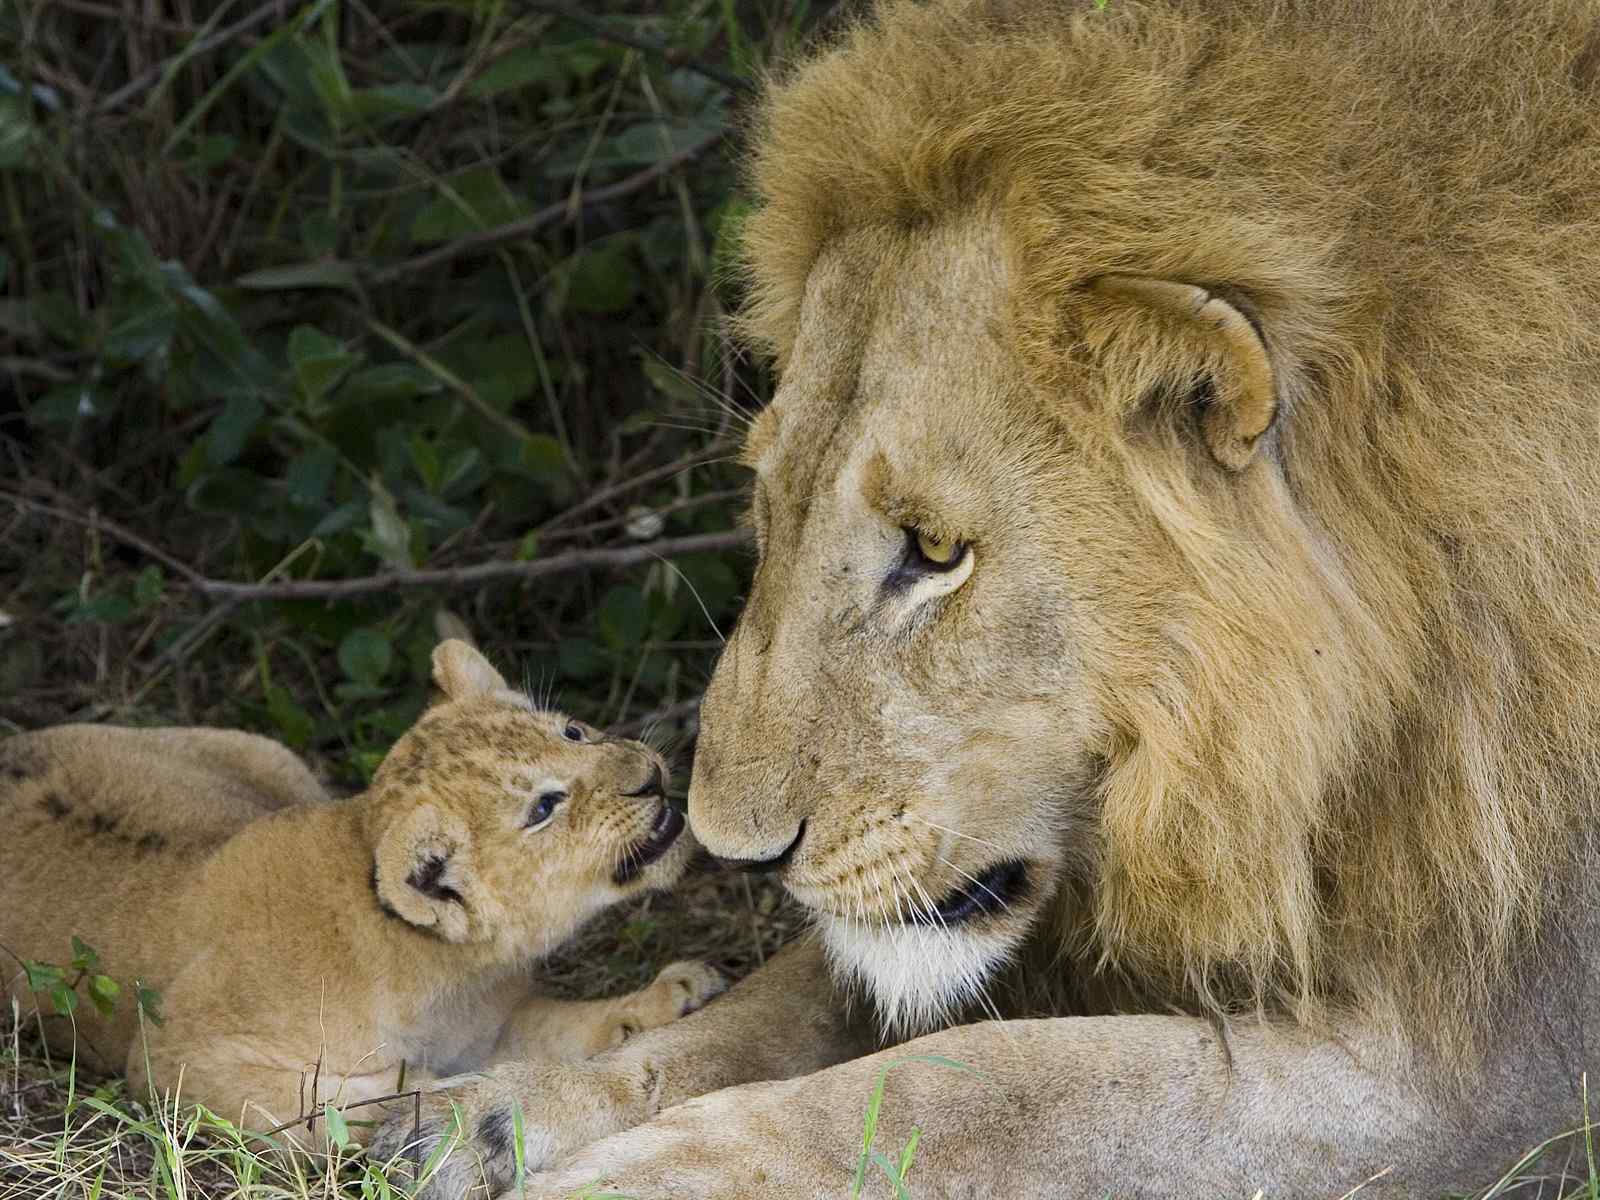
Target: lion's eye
(543, 809)
(936, 553)
(573, 732)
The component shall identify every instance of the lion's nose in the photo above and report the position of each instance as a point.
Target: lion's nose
(763, 865)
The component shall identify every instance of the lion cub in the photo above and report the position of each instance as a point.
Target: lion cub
(304, 954)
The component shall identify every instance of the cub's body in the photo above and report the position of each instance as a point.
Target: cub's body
(305, 949)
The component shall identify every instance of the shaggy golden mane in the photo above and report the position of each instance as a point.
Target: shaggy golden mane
(1407, 199)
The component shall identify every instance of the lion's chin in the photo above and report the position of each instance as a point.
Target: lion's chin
(920, 978)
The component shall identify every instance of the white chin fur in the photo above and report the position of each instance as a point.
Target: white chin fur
(919, 977)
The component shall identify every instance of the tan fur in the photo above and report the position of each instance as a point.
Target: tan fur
(1314, 784)
(302, 955)
(1287, 739)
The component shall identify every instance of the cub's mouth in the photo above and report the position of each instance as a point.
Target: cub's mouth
(663, 833)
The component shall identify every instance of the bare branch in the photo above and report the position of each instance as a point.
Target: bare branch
(94, 520)
(485, 572)
(234, 592)
(564, 211)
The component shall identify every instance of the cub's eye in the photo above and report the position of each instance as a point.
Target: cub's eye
(573, 732)
(543, 809)
(936, 554)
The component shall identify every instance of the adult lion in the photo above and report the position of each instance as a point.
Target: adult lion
(1180, 522)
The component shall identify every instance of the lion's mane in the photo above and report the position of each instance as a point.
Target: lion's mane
(1407, 192)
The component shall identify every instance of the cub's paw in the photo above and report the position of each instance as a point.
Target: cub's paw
(678, 990)
(462, 1114)
(465, 1141)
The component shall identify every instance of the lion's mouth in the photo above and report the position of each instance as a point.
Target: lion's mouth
(663, 833)
(992, 890)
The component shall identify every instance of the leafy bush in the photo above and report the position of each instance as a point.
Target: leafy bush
(315, 320)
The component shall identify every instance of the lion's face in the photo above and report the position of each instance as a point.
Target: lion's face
(508, 824)
(908, 710)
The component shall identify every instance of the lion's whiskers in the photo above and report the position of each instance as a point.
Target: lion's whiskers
(952, 832)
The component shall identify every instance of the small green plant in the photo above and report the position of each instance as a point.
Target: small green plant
(83, 971)
(895, 1168)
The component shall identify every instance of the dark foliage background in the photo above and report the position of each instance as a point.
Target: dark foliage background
(316, 319)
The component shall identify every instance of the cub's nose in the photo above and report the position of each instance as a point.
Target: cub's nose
(653, 786)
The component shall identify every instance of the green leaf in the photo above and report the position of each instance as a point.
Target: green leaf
(540, 455)
(16, 135)
(293, 722)
(212, 151)
(309, 475)
(149, 587)
(70, 402)
(103, 993)
(231, 429)
(319, 361)
(523, 67)
(149, 1003)
(64, 999)
(391, 381)
(229, 492)
(107, 608)
(338, 1130)
(365, 655)
(144, 331)
(602, 280)
(622, 617)
(43, 976)
(393, 100)
(579, 658)
(319, 234)
(475, 199)
(390, 538)
(324, 273)
(426, 459)
(84, 957)
(528, 547)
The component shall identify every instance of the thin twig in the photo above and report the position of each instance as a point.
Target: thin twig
(484, 572)
(672, 712)
(122, 533)
(564, 212)
(317, 1112)
(635, 482)
(223, 36)
(672, 55)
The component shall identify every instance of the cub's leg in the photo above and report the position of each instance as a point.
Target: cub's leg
(275, 774)
(542, 1028)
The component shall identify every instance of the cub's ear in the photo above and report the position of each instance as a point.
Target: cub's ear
(423, 874)
(1244, 402)
(461, 671)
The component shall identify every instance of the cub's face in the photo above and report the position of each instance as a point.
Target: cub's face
(502, 823)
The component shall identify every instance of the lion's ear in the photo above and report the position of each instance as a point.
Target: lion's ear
(1244, 391)
(422, 873)
(461, 671)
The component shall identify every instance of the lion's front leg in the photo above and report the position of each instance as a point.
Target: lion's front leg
(784, 1020)
(1118, 1106)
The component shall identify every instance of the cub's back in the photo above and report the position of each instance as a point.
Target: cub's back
(100, 826)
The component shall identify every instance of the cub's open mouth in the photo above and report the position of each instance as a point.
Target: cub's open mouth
(668, 825)
(992, 890)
